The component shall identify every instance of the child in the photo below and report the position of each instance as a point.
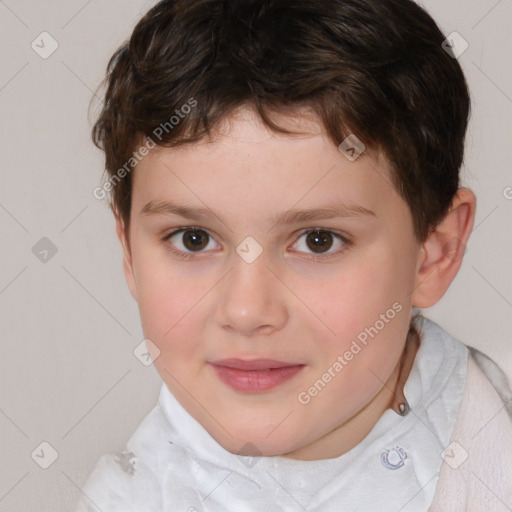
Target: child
(285, 180)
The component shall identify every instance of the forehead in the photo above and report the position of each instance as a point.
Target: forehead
(247, 167)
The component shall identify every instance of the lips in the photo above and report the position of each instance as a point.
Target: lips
(253, 364)
(255, 375)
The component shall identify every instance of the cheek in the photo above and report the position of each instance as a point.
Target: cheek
(349, 300)
(367, 315)
(167, 300)
(169, 316)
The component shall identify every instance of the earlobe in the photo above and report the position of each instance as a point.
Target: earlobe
(127, 257)
(442, 252)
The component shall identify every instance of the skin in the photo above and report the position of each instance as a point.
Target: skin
(285, 305)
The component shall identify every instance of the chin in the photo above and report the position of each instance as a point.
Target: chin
(257, 441)
(256, 448)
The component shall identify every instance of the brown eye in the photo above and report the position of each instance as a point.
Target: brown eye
(319, 241)
(190, 240)
(195, 240)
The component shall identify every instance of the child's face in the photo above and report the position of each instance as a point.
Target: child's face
(290, 304)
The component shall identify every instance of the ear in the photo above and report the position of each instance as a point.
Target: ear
(442, 252)
(127, 256)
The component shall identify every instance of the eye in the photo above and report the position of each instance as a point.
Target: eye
(318, 242)
(190, 240)
(321, 241)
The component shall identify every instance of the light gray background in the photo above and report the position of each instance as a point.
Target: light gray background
(67, 372)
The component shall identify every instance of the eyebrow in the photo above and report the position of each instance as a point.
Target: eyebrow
(336, 209)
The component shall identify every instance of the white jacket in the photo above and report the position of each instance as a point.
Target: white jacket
(451, 453)
(483, 482)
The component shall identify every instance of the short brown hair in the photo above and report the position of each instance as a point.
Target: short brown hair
(373, 68)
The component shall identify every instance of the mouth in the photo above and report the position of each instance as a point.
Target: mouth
(255, 375)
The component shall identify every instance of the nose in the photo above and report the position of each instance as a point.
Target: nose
(251, 301)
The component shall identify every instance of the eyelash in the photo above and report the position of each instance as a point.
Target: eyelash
(347, 243)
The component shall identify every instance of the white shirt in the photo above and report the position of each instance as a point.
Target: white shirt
(171, 463)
